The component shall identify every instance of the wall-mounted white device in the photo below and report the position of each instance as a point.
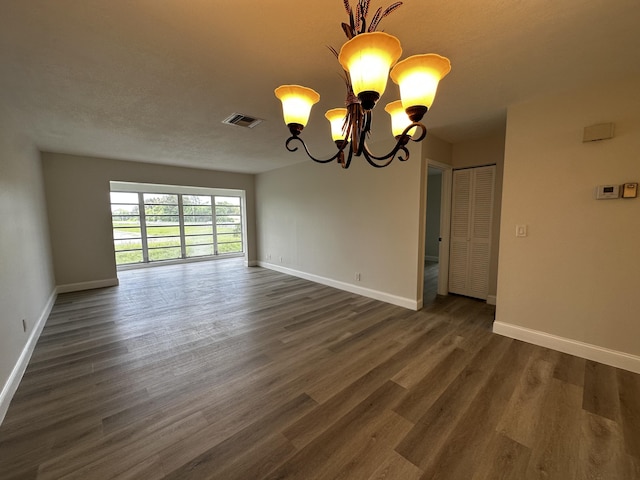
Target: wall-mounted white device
(594, 133)
(605, 192)
(629, 190)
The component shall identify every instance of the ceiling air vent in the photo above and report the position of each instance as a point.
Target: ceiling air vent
(242, 120)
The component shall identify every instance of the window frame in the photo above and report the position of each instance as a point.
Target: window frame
(142, 189)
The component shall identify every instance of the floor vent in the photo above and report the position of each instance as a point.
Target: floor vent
(242, 120)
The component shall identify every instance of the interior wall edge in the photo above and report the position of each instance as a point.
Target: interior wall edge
(11, 385)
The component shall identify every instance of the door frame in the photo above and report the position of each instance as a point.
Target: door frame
(445, 223)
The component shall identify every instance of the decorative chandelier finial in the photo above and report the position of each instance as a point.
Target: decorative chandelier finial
(367, 57)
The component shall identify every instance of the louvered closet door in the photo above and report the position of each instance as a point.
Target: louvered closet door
(471, 220)
(459, 247)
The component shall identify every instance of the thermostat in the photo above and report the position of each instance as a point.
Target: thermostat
(604, 192)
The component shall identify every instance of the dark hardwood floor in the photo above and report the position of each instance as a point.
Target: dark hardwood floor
(430, 290)
(214, 370)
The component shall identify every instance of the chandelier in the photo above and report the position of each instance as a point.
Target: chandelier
(367, 58)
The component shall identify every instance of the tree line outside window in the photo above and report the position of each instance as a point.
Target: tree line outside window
(151, 227)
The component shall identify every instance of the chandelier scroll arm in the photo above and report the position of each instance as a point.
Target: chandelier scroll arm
(417, 125)
(400, 147)
(372, 160)
(338, 155)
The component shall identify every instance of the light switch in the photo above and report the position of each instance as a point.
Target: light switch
(521, 230)
(630, 190)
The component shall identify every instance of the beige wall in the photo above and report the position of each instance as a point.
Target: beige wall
(329, 222)
(435, 149)
(486, 151)
(478, 152)
(77, 192)
(577, 274)
(26, 273)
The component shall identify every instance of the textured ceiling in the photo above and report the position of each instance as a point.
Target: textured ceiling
(151, 80)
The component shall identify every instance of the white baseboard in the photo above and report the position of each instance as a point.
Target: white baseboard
(432, 258)
(491, 299)
(365, 292)
(573, 347)
(250, 263)
(10, 387)
(76, 287)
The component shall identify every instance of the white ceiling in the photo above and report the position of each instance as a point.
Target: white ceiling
(151, 80)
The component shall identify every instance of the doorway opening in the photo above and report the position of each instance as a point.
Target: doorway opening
(437, 227)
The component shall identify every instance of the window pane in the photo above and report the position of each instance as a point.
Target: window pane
(160, 198)
(229, 228)
(155, 242)
(230, 248)
(199, 251)
(227, 219)
(160, 220)
(124, 197)
(196, 200)
(196, 210)
(126, 221)
(127, 244)
(227, 210)
(163, 231)
(227, 238)
(198, 229)
(122, 232)
(227, 200)
(156, 254)
(199, 239)
(125, 209)
(123, 258)
(154, 210)
(197, 219)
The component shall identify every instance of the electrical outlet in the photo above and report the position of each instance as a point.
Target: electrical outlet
(280, 259)
(521, 230)
(24, 325)
(268, 256)
(357, 276)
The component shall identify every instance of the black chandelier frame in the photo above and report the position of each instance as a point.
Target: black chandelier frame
(359, 129)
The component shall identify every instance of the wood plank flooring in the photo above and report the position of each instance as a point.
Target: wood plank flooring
(214, 370)
(430, 288)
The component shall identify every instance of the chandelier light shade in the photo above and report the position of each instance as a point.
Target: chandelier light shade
(337, 118)
(367, 58)
(418, 77)
(296, 104)
(399, 118)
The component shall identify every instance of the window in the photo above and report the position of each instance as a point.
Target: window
(198, 225)
(228, 224)
(152, 226)
(127, 238)
(162, 226)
